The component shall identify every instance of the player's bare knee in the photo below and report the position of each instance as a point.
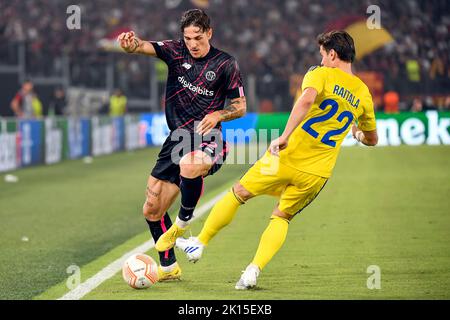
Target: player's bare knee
(241, 192)
(190, 170)
(194, 165)
(151, 211)
(277, 212)
(151, 207)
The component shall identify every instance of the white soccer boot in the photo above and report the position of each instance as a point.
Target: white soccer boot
(248, 278)
(192, 247)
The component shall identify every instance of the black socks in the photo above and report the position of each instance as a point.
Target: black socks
(191, 190)
(157, 228)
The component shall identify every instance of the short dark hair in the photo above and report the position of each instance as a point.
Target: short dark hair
(341, 42)
(197, 18)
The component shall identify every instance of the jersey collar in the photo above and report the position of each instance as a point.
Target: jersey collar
(209, 55)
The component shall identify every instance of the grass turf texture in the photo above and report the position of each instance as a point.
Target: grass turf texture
(72, 213)
(384, 206)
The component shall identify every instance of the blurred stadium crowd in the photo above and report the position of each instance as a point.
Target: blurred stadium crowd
(272, 40)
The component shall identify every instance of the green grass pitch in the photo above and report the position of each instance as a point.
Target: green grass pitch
(387, 207)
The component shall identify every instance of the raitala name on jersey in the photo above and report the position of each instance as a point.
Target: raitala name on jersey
(195, 89)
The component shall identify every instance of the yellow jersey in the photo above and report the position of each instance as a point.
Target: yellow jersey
(341, 99)
(117, 105)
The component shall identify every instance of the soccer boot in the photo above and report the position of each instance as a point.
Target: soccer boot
(192, 247)
(167, 240)
(175, 274)
(248, 278)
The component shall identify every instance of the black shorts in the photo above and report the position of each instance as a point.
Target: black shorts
(167, 166)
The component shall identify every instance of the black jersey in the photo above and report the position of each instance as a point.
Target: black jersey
(196, 87)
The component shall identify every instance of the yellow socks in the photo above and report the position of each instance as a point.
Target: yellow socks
(221, 215)
(224, 211)
(271, 241)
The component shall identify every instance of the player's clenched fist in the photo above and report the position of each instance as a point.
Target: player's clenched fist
(128, 41)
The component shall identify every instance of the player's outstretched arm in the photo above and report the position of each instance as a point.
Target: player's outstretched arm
(298, 113)
(236, 109)
(368, 138)
(132, 44)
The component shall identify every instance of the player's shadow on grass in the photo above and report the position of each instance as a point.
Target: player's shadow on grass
(257, 288)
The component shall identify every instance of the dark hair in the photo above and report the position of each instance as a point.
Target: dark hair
(341, 42)
(195, 17)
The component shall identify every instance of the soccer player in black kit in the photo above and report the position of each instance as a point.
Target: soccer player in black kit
(200, 79)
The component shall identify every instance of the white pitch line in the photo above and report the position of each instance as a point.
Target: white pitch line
(110, 270)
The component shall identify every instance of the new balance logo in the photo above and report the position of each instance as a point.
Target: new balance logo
(186, 65)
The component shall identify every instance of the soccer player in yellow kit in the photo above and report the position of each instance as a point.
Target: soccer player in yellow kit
(299, 163)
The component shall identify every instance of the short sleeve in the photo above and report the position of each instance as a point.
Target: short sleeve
(233, 80)
(367, 122)
(168, 50)
(314, 78)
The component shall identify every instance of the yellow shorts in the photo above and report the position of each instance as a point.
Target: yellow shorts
(296, 189)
